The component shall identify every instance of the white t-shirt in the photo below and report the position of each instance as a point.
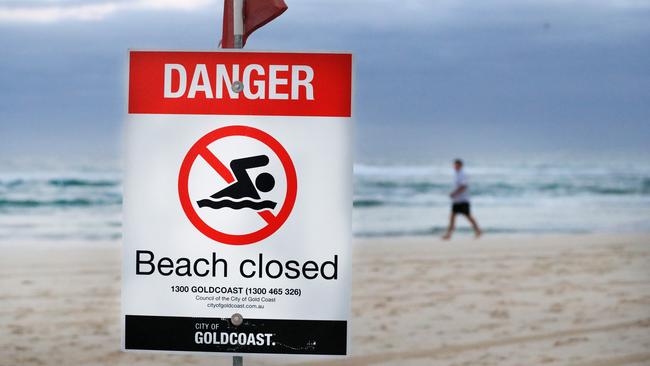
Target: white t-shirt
(461, 180)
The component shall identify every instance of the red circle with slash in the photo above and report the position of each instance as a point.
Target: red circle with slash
(200, 148)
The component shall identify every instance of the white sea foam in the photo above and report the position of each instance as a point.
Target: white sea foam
(77, 202)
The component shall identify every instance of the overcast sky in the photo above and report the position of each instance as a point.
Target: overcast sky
(434, 78)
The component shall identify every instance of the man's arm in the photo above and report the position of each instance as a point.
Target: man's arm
(458, 191)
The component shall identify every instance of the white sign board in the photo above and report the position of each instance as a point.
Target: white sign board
(237, 200)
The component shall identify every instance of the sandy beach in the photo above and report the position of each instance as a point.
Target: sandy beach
(510, 300)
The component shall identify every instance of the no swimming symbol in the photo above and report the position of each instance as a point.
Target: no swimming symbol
(241, 193)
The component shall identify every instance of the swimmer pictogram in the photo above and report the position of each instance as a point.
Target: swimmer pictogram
(247, 186)
(243, 193)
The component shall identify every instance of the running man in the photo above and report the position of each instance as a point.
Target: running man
(460, 201)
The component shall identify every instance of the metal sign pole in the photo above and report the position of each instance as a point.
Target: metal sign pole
(237, 361)
(238, 42)
(236, 319)
(238, 23)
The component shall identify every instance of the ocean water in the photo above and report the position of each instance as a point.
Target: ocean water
(81, 201)
(540, 197)
(60, 201)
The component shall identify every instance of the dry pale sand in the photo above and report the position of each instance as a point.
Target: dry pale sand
(551, 300)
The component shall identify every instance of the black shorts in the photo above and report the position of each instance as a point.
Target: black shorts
(460, 208)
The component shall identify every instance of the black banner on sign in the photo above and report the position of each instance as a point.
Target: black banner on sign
(172, 333)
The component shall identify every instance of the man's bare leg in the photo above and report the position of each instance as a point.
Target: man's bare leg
(477, 230)
(450, 229)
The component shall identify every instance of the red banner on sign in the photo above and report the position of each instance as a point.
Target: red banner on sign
(240, 83)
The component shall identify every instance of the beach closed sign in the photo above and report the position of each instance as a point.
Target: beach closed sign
(237, 202)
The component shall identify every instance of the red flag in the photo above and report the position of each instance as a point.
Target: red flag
(256, 13)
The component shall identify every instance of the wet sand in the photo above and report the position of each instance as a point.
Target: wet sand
(512, 300)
